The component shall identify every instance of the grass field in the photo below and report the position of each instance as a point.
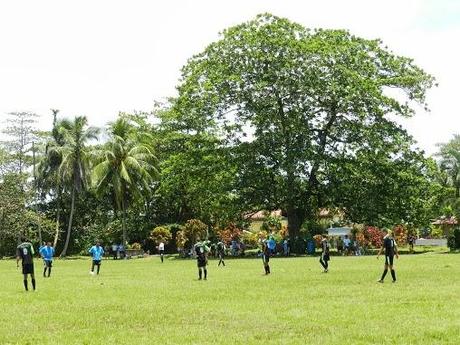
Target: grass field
(142, 301)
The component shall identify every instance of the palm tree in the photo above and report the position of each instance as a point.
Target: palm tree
(125, 167)
(48, 177)
(450, 163)
(75, 155)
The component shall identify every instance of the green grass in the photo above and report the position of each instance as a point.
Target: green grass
(142, 301)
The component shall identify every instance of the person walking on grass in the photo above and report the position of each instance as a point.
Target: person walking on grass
(201, 251)
(47, 253)
(161, 249)
(266, 256)
(25, 252)
(97, 253)
(324, 258)
(389, 245)
(221, 253)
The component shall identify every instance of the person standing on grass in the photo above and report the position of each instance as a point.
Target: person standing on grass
(161, 249)
(324, 258)
(201, 251)
(97, 253)
(221, 253)
(389, 245)
(47, 253)
(25, 252)
(266, 256)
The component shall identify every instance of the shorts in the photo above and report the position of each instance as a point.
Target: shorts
(389, 260)
(201, 262)
(97, 262)
(27, 268)
(326, 257)
(266, 258)
(48, 263)
(162, 252)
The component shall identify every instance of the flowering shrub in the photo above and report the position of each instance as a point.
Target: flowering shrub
(135, 245)
(181, 239)
(317, 239)
(284, 232)
(250, 239)
(400, 235)
(271, 224)
(262, 235)
(195, 229)
(229, 233)
(374, 235)
(160, 234)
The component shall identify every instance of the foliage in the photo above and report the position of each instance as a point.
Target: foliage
(125, 166)
(313, 101)
(436, 232)
(271, 223)
(160, 234)
(317, 239)
(229, 233)
(250, 239)
(400, 235)
(135, 246)
(194, 230)
(374, 236)
(454, 240)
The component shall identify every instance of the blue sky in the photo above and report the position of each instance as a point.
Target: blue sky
(97, 58)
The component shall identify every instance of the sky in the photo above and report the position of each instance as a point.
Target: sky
(100, 57)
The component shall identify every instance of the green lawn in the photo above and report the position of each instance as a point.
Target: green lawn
(142, 301)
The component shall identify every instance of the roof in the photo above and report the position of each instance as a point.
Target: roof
(339, 231)
(260, 215)
(445, 221)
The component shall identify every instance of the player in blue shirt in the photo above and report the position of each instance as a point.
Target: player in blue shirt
(47, 253)
(96, 252)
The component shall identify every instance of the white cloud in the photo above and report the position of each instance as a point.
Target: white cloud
(100, 57)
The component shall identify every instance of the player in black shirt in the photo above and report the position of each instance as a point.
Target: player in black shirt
(201, 251)
(221, 252)
(324, 259)
(25, 252)
(266, 256)
(389, 245)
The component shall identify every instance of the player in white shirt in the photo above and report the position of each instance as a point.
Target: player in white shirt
(161, 249)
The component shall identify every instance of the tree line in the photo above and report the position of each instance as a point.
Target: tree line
(271, 116)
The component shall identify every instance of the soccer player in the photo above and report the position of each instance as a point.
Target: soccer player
(266, 256)
(221, 253)
(96, 252)
(389, 245)
(25, 252)
(324, 258)
(201, 251)
(47, 253)
(161, 249)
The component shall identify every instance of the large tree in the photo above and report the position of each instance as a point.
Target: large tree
(305, 98)
(75, 159)
(125, 166)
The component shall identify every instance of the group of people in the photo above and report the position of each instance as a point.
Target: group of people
(389, 247)
(25, 252)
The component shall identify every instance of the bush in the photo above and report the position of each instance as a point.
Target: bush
(271, 224)
(160, 234)
(374, 236)
(400, 235)
(135, 246)
(229, 233)
(454, 240)
(250, 239)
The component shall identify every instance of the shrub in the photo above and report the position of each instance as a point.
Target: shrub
(400, 235)
(271, 224)
(374, 235)
(135, 245)
(229, 233)
(250, 239)
(454, 240)
(160, 234)
(318, 239)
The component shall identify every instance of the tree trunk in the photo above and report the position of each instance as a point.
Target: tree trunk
(69, 228)
(123, 223)
(58, 214)
(294, 222)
